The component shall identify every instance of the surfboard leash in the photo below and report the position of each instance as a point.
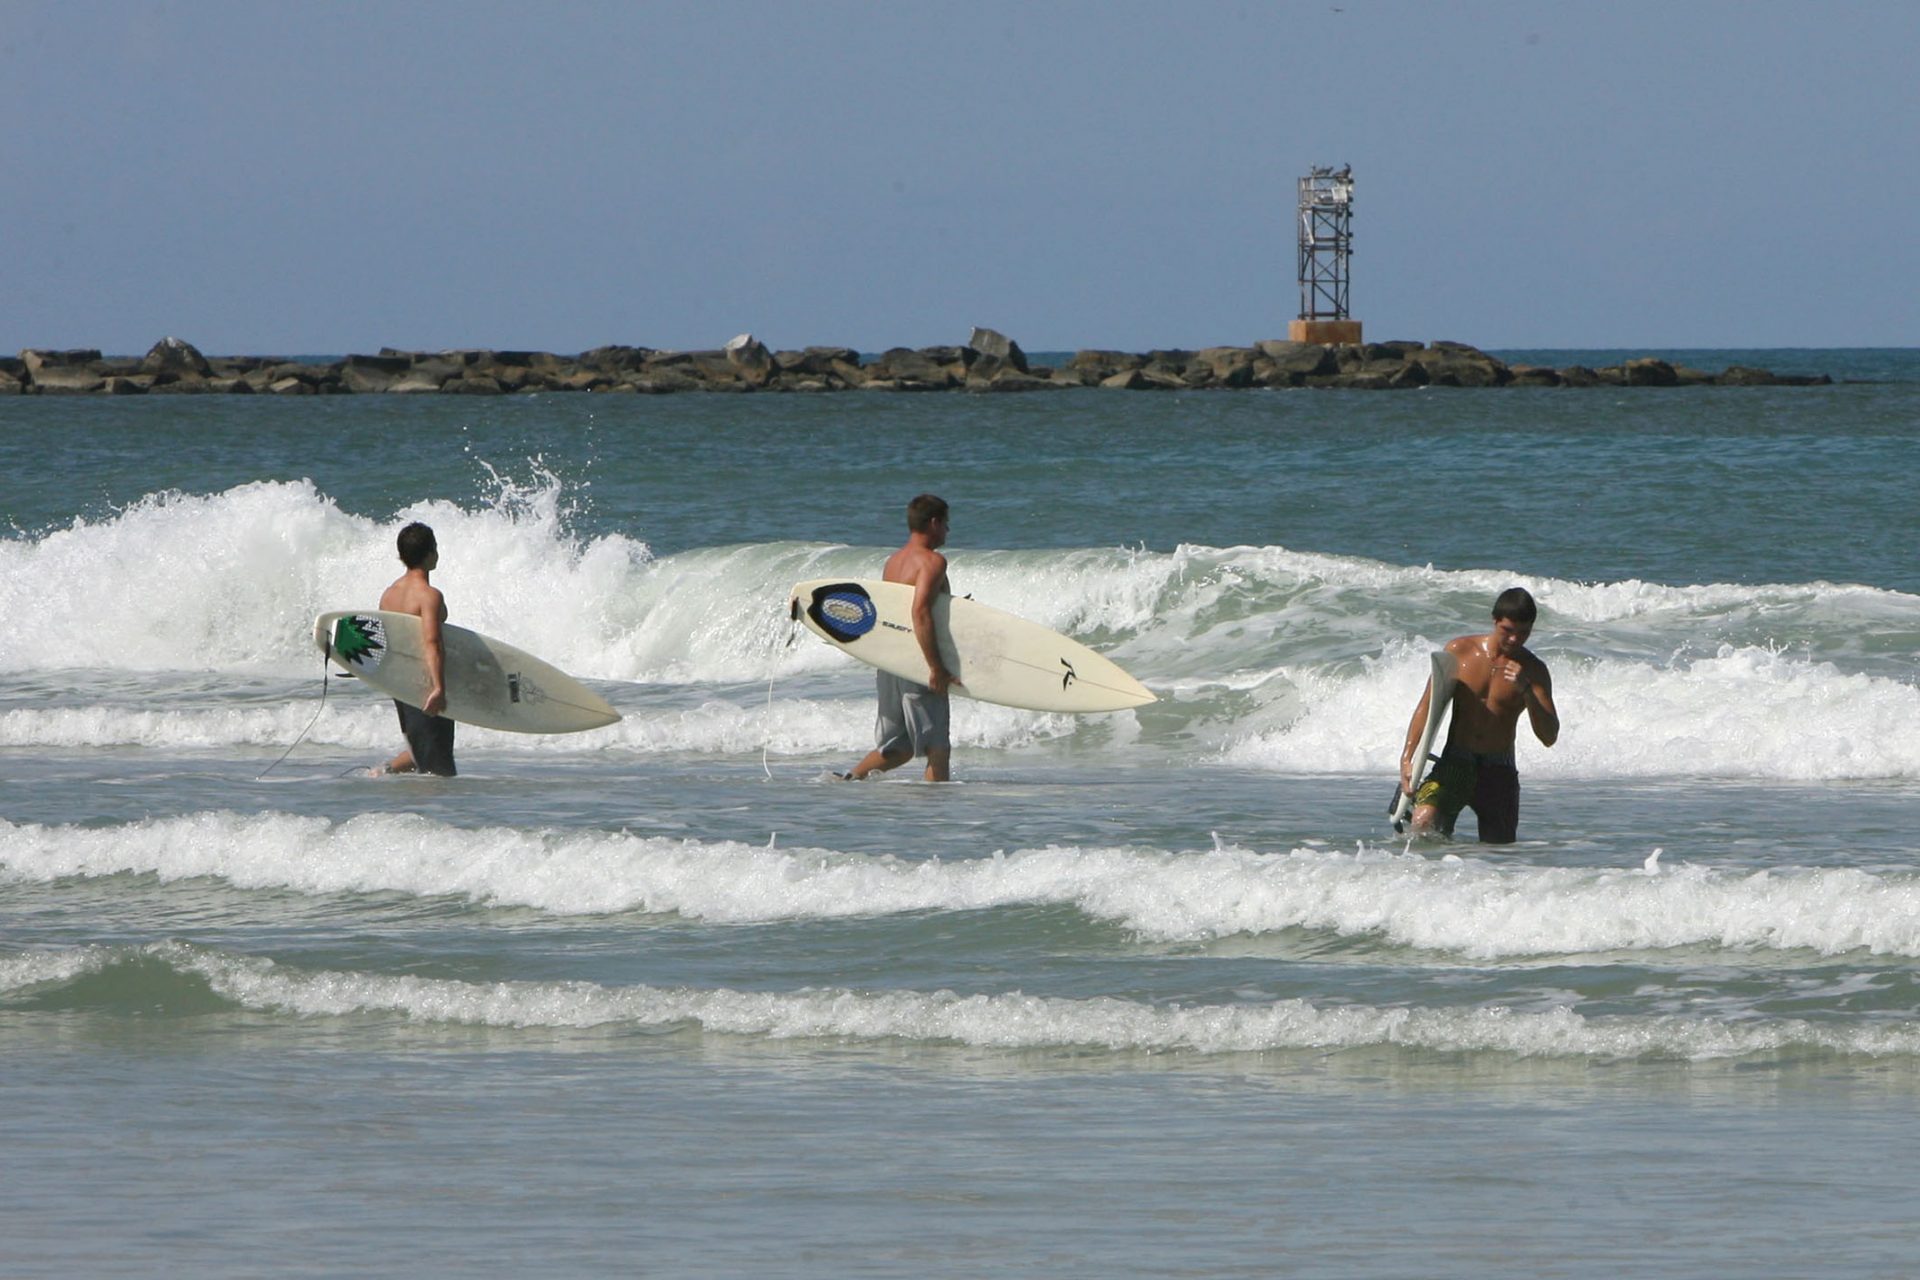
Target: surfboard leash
(326, 677)
(766, 722)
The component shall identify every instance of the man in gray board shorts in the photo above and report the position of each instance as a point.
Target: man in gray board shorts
(913, 717)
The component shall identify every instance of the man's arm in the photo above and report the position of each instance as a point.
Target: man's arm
(927, 585)
(435, 645)
(1540, 713)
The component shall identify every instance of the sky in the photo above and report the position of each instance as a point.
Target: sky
(323, 178)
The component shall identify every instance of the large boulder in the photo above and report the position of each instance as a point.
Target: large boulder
(615, 359)
(487, 360)
(1408, 376)
(663, 379)
(415, 383)
(474, 384)
(1097, 366)
(1453, 364)
(1010, 379)
(176, 358)
(994, 345)
(70, 372)
(367, 375)
(434, 368)
(1224, 366)
(1650, 372)
(1299, 360)
(66, 380)
(34, 359)
(751, 362)
(815, 362)
(911, 370)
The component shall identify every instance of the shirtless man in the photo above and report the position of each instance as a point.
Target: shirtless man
(1498, 678)
(429, 734)
(913, 717)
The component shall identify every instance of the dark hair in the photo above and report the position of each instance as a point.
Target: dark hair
(416, 543)
(924, 510)
(1515, 604)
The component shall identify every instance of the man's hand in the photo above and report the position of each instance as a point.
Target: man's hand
(436, 701)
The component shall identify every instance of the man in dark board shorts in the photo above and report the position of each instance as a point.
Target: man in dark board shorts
(913, 717)
(429, 734)
(1498, 678)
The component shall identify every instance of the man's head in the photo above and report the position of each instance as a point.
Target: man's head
(924, 511)
(417, 546)
(1514, 613)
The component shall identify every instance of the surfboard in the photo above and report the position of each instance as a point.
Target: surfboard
(1445, 675)
(995, 656)
(489, 683)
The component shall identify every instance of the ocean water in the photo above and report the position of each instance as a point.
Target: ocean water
(1152, 993)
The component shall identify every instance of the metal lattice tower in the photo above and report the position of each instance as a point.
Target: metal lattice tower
(1326, 240)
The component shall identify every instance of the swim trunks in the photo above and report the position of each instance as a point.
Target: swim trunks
(913, 718)
(429, 738)
(1484, 781)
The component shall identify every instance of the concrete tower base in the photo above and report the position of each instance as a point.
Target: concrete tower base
(1326, 332)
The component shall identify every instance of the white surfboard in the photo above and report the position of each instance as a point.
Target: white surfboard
(1446, 673)
(995, 656)
(489, 684)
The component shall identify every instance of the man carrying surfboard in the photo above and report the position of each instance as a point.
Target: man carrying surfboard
(429, 734)
(1497, 677)
(913, 717)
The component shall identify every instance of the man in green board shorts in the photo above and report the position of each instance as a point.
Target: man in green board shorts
(429, 734)
(913, 717)
(1498, 678)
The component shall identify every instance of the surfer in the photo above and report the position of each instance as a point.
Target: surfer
(1498, 678)
(913, 717)
(429, 734)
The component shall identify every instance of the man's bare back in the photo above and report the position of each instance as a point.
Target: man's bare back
(429, 735)
(412, 593)
(920, 565)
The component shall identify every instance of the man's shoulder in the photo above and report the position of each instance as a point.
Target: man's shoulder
(406, 597)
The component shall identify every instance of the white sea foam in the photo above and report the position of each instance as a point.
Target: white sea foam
(1280, 659)
(1012, 1020)
(1741, 713)
(355, 720)
(1453, 907)
(26, 969)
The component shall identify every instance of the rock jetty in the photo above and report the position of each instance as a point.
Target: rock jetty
(989, 362)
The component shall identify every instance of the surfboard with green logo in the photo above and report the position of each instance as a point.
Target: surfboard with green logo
(489, 683)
